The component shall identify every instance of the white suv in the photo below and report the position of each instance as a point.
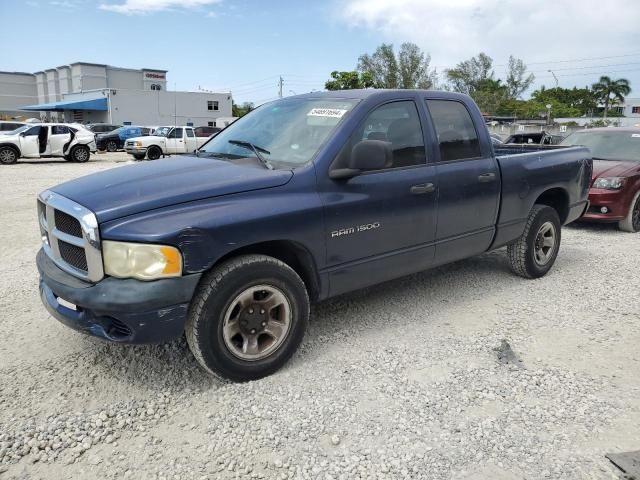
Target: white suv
(72, 142)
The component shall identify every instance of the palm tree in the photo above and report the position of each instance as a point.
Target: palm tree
(606, 87)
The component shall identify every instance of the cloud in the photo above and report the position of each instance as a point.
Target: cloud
(453, 30)
(141, 7)
(61, 3)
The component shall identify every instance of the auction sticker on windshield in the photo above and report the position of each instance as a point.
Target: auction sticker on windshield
(327, 112)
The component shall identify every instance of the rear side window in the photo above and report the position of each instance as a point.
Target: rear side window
(59, 129)
(190, 132)
(457, 135)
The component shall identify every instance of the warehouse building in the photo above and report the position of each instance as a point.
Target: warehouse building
(95, 93)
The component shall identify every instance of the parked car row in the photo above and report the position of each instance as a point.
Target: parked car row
(72, 142)
(165, 141)
(115, 139)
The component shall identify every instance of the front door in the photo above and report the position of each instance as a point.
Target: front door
(381, 223)
(175, 142)
(30, 143)
(58, 140)
(468, 184)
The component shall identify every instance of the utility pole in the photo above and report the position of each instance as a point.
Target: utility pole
(280, 84)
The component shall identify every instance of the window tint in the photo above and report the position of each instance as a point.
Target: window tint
(175, 133)
(59, 129)
(32, 131)
(456, 133)
(145, 131)
(398, 124)
(190, 132)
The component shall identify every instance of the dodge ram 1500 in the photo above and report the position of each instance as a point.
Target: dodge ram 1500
(303, 199)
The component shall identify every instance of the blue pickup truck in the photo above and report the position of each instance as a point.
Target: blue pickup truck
(302, 199)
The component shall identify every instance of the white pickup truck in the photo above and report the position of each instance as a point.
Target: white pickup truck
(164, 141)
(72, 142)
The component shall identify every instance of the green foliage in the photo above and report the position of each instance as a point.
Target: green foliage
(467, 76)
(240, 110)
(409, 69)
(610, 91)
(583, 101)
(517, 81)
(348, 80)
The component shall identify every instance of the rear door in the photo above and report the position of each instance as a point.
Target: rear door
(59, 138)
(468, 183)
(381, 224)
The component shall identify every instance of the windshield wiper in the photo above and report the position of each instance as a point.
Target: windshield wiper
(256, 149)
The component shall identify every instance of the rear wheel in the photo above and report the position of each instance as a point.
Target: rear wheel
(112, 146)
(80, 153)
(631, 223)
(8, 155)
(154, 153)
(247, 318)
(535, 252)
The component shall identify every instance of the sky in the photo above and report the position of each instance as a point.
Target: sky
(244, 46)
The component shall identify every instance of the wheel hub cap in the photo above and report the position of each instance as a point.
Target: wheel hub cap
(545, 244)
(256, 322)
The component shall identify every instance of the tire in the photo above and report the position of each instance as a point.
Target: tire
(80, 153)
(112, 146)
(154, 153)
(8, 155)
(139, 156)
(224, 313)
(535, 252)
(631, 223)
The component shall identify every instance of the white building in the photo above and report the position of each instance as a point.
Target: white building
(95, 93)
(631, 107)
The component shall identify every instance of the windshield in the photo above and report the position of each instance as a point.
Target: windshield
(287, 133)
(608, 145)
(162, 131)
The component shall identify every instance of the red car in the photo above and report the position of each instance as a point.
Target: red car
(615, 189)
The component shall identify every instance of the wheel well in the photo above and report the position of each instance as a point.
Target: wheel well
(12, 147)
(558, 199)
(291, 253)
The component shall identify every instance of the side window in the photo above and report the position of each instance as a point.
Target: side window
(397, 123)
(144, 131)
(32, 131)
(59, 129)
(190, 132)
(177, 133)
(457, 135)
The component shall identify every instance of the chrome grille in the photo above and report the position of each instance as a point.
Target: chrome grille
(70, 236)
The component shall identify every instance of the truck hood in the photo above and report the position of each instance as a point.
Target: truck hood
(612, 168)
(146, 186)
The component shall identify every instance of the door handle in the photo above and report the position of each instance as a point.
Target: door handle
(422, 188)
(486, 177)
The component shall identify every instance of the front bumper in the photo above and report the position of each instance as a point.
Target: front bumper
(119, 310)
(614, 200)
(135, 150)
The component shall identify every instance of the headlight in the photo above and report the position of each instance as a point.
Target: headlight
(137, 144)
(141, 260)
(609, 183)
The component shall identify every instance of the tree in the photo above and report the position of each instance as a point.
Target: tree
(382, 66)
(606, 87)
(490, 94)
(348, 80)
(467, 75)
(240, 110)
(517, 81)
(582, 101)
(408, 69)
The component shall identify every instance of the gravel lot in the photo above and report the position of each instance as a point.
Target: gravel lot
(402, 380)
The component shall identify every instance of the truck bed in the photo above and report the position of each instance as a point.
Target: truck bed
(528, 171)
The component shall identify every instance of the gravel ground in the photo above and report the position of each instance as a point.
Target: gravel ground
(463, 372)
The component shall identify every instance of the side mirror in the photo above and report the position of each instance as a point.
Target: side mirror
(365, 155)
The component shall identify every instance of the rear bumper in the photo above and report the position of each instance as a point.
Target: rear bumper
(118, 310)
(615, 201)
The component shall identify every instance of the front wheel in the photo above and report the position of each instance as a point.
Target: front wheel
(153, 153)
(631, 222)
(8, 155)
(247, 318)
(138, 156)
(535, 252)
